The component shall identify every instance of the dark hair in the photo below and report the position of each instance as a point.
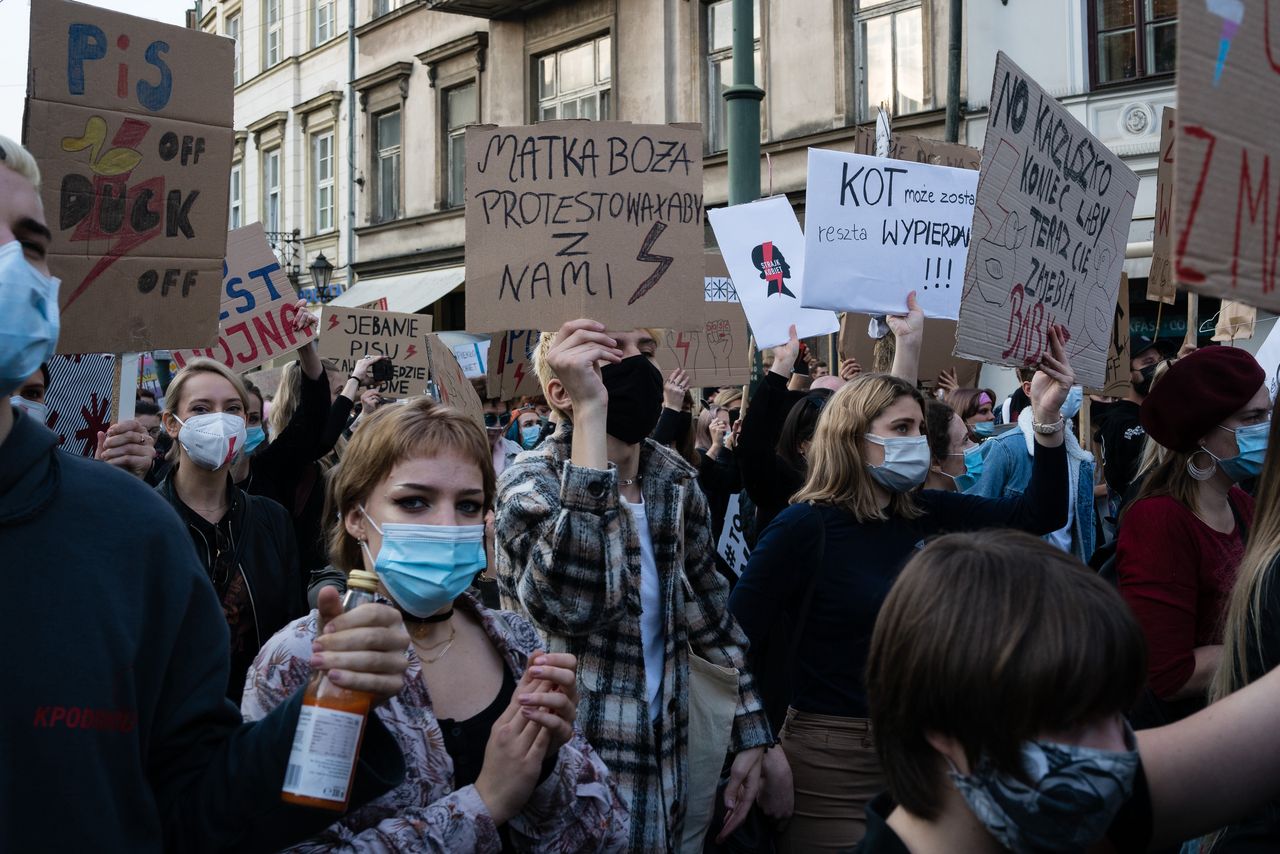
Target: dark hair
(992, 639)
(145, 407)
(254, 391)
(937, 427)
(967, 401)
(801, 421)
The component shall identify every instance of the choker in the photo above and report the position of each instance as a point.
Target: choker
(434, 618)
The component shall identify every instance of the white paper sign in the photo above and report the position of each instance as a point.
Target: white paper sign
(878, 229)
(763, 248)
(1269, 358)
(733, 546)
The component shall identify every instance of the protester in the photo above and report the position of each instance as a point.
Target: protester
(1181, 540)
(486, 718)
(604, 541)
(819, 369)
(718, 473)
(977, 407)
(1119, 425)
(957, 461)
(497, 417)
(530, 426)
(245, 542)
(30, 396)
(675, 421)
(1017, 399)
(868, 458)
(117, 702)
(147, 413)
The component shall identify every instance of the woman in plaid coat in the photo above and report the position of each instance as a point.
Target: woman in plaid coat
(570, 557)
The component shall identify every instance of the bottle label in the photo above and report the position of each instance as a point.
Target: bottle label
(323, 753)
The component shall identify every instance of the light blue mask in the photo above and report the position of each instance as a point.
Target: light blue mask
(1252, 444)
(530, 435)
(974, 460)
(985, 429)
(1071, 406)
(426, 567)
(254, 437)
(29, 306)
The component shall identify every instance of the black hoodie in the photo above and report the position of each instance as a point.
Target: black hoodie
(115, 734)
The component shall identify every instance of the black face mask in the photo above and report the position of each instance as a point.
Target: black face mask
(1144, 386)
(635, 398)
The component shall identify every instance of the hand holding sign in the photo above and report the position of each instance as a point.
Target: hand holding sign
(581, 345)
(1054, 379)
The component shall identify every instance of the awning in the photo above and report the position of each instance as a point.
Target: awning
(408, 292)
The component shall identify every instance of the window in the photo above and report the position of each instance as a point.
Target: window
(322, 180)
(461, 109)
(575, 83)
(233, 32)
(273, 33)
(386, 166)
(1132, 39)
(382, 7)
(326, 21)
(890, 49)
(720, 68)
(235, 218)
(271, 190)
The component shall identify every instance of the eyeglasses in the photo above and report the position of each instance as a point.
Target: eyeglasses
(493, 420)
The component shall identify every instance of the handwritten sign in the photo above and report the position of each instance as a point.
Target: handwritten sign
(131, 121)
(379, 304)
(348, 334)
(257, 317)
(1049, 233)
(583, 219)
(451, 382)
(1119, 357)
(733, 545)
(510, 373)
(1160, 284)
(877, 229)
(763, 249)
(714, 352)
(919, 149)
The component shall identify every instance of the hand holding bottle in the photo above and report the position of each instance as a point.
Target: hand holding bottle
(362, 649)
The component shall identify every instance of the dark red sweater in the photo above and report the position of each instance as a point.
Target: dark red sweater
(1176, 575)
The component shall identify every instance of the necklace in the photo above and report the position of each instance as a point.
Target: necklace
(447, 644)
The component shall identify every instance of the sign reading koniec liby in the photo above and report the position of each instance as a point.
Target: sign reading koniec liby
(349, 334)
(1160, 283)
(1050, 229)
(876, 229)
(256, 322)
(130, 121)
(582, 219)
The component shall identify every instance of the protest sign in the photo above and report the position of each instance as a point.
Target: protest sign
(714, 352)
(935, 349)
(1226, 196)
(510, 372)
(763, 248)
(716, 284)
(257, 317)
(351, 333)
(1160, 284)
(877, 229)
(379, 304)
(919, 149)
(79, 399)
(1119, 357)
(733, 546)
(472, 356)
(582, 219)
(1050, 229)
(1235, 322)
(130, 121)
(1269, 358)
(452, 385)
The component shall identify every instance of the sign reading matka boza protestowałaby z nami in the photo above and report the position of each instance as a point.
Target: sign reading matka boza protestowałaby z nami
(1050, 228)
(582, 219)
(130, 121)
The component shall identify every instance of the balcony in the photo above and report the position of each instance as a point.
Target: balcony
(491, 9)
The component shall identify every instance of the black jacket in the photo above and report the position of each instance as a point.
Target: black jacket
(768, 478)
(117, 732)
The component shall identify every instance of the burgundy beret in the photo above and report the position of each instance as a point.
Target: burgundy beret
(1198, 392)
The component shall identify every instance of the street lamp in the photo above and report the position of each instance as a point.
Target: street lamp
(321, 273)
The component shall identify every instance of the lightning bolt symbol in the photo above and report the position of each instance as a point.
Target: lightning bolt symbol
(663, 261)
(408, 354)
(519, 374)
(682, 343)
(333, 321)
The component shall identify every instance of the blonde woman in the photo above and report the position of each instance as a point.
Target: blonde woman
(837, 550)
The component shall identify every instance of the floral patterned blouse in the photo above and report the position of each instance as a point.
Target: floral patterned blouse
(575, 809)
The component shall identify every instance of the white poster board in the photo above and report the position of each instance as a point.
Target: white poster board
(763, 248)
(878, 229)
(1269, 358)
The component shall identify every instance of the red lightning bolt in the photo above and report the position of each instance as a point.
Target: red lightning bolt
(408, 354)
(333, 320)
(682, 343)
(519, 374)
(663, 261)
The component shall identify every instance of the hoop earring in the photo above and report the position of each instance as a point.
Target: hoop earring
(1201, 474)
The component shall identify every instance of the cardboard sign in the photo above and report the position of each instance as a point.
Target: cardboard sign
(763, 248)
(510, 372)
(1235, 322)
(130, 121)
(583, 219)
(715, 352)
(920, 149)
(733, 546)
(347, 334)
(1160, 284)
(79, 399)
(1049, 234)
(379, 304)
(257, 317)
(935, 351)
(1226, 204)
(1119, 356)
(451, 382)
(876, 230)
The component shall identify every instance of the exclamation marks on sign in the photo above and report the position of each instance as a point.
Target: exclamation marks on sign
(933, 270)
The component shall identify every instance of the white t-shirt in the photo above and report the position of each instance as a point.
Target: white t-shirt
(652, 634)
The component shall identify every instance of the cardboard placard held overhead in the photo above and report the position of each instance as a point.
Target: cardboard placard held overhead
(583, 219)
(878, 229)
(257, 317)
(130, 121)
(715, 352)
(510, 372)
(1160, 283)
(1119, 357)
(763, 249)
(1050, 229)
(451, 382)
(348, 334)
(920, 149)
(935, 351)
(1225, 199)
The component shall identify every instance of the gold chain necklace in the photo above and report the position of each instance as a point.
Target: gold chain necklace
(447, 644)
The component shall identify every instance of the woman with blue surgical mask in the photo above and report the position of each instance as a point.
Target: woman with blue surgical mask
(486, 717)
(957, 460)
(826, 563)
(244, 541)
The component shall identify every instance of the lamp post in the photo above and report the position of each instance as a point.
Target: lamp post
(321, 274)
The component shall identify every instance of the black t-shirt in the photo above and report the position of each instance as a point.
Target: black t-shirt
(1122, 438)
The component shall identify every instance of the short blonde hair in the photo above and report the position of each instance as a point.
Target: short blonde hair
(19, 160)
(176, 392)
(545, 374)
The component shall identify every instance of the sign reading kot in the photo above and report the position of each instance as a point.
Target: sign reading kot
(130, 121)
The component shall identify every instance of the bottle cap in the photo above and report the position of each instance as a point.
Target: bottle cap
(361, 580)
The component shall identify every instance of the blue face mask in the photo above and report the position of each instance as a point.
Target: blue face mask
(29, 306)
(1252, 444)
(254, 437)
(1071, 406)
(973, 463)
(426, 567)
(985, 429)
(530, 435)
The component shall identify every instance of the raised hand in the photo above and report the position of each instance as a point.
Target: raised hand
(673, 390)
(1054, 379)
(581, 345)
(785, 355)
